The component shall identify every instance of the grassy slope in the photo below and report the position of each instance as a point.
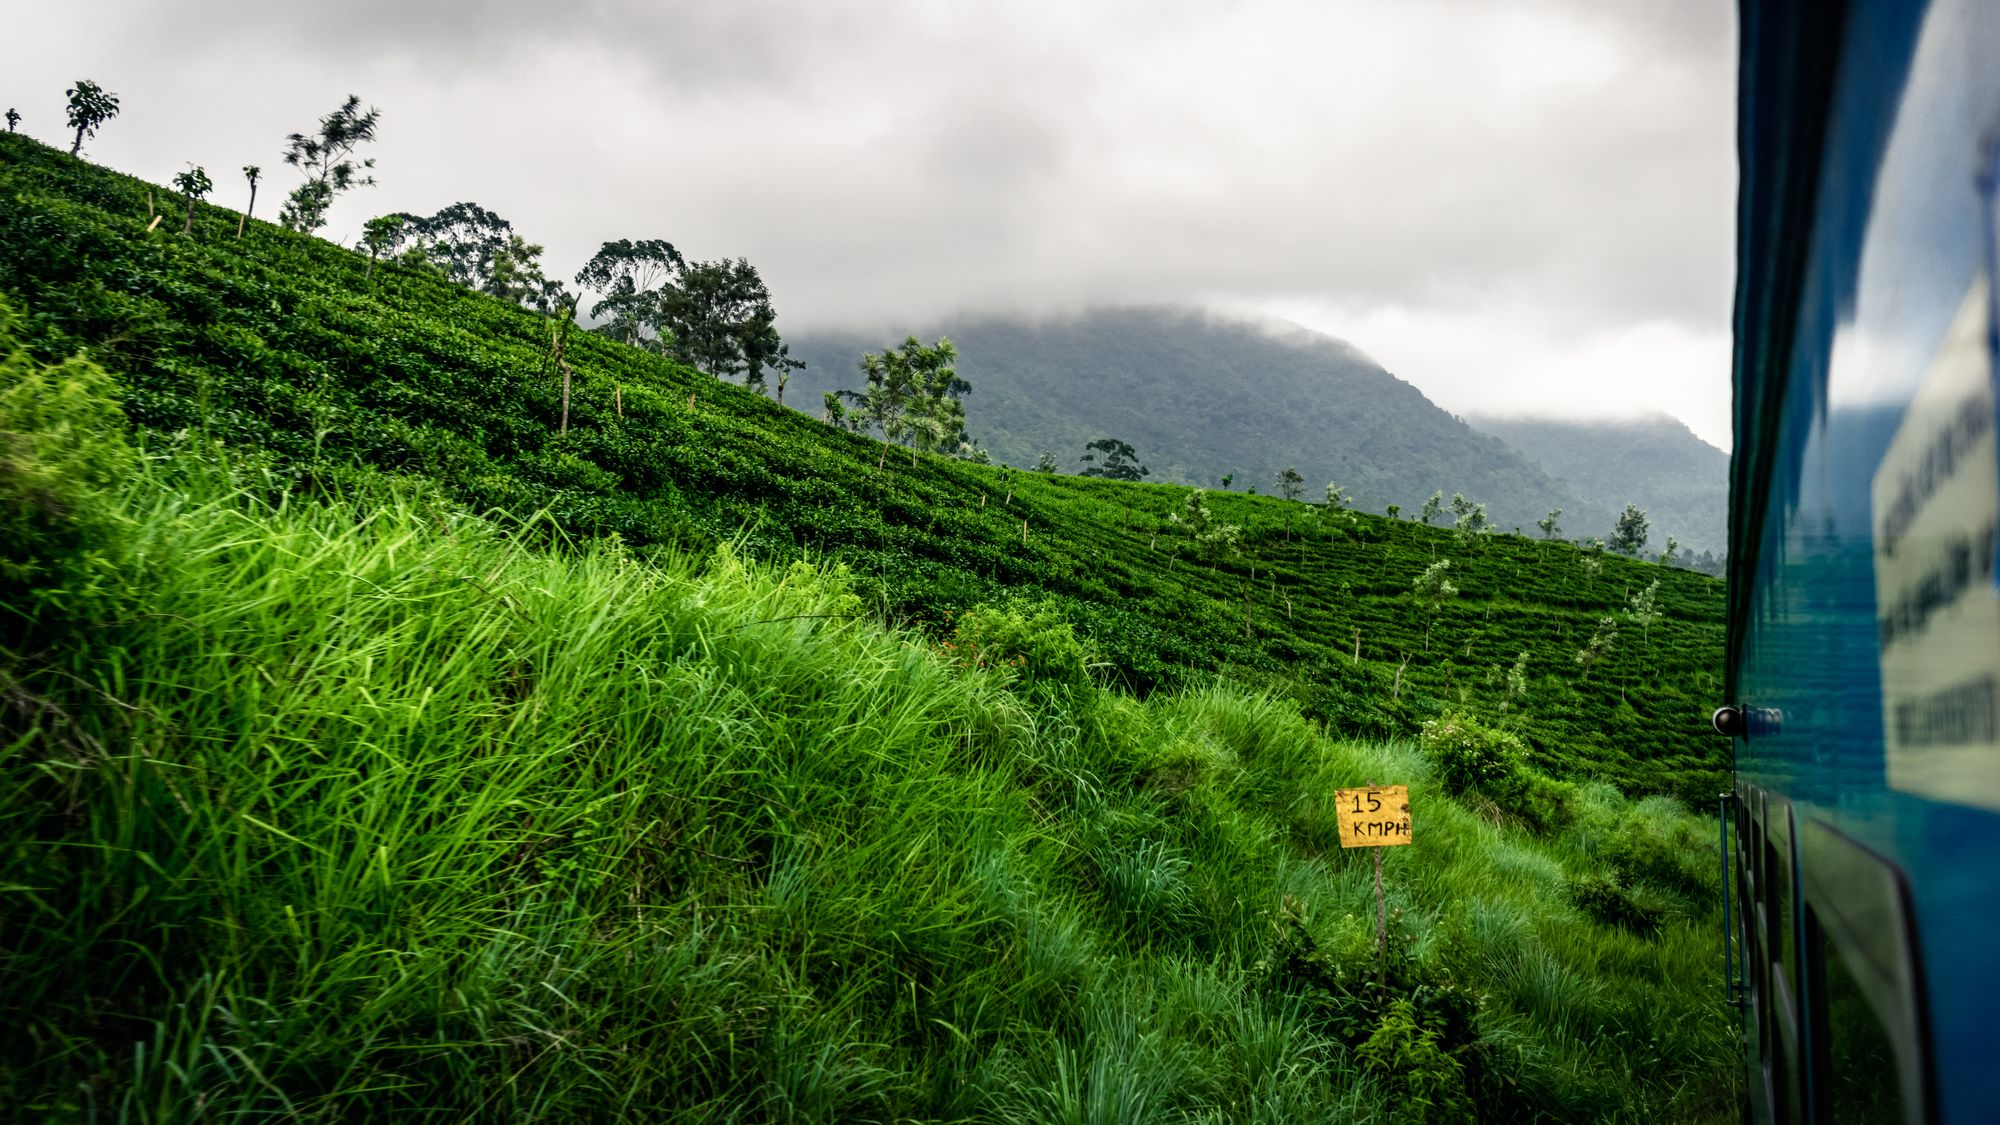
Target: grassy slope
(281, 342)
(364, 810)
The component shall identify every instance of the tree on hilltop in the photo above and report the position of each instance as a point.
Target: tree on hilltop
(327, 159)
(1629, 536)
(1433, 508)
(630, 276)
(1291, 482)
(194, 185)
(90, 106)
(714, 310)
(13, 118)
(1550, 528)
(251, 173)
(912, 396)
(1120, 461)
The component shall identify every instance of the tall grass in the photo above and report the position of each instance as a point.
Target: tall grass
(360, 809)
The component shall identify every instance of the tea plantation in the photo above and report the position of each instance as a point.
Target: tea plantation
(291, 345)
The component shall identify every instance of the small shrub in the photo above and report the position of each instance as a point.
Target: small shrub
(1605, 898)
(1429, 1082)
(1469, 754)
(1543, 803)
(1035, 643)
(63, 456)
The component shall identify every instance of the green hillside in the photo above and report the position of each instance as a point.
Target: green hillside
(375, 746)
(288, 344)
(1657, 463)
(1201, 395)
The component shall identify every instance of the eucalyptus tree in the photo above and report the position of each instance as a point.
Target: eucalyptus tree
(463, 241)
(13, 118)
(1046, 463)
(194, 185)
(1433, 590)
(764, 349)
(1291, 482)
(1119, 460)
(1550, 528)
(629, 277)
(514, 273)
(1433, 507)
(1644, 610)
(251, 173)
(327, 157)
(90, 106)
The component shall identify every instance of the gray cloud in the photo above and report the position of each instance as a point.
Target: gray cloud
(1562, 169)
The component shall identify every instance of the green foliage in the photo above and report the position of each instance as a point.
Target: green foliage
(458, 796)
(1121, 461)
(63, 459)
(1644, 609)
(284, 344)
(1046, 463)
(1032, 642)
(1468, 754)
(1225, 396)
(327, 157)
(1549, 525)
(1428, 1083)
(1433, 508)
(90, 106)
(1605, 898)
(1680, 480)
(1291, 482)
(1599, 646)
(1628, 537)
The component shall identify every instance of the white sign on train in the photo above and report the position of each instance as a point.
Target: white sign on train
(1936, 499)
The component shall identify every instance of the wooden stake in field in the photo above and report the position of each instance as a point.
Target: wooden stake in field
(1375, 818)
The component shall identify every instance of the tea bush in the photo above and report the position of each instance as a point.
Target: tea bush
(1468, 754)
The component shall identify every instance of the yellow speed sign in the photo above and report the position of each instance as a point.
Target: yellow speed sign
(1375, 817)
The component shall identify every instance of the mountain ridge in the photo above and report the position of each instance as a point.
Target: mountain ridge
(1204, 395)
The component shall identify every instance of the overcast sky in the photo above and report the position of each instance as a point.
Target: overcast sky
(1519, 207)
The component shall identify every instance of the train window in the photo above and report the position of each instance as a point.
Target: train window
(1778, 847)
(1858, 1057)
(1864, 985)
(1780, 952)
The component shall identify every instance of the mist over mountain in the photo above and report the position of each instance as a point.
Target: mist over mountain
(1203, 396)
(1655, 462)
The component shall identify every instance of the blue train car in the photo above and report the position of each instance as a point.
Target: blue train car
(1864, 631)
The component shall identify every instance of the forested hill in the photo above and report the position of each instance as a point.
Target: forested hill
(1201, 396)
(296, 351)
(1657, 463)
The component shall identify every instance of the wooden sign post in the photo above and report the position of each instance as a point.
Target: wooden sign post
(1375, 817)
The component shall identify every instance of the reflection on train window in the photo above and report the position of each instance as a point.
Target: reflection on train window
(1861, 1081)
